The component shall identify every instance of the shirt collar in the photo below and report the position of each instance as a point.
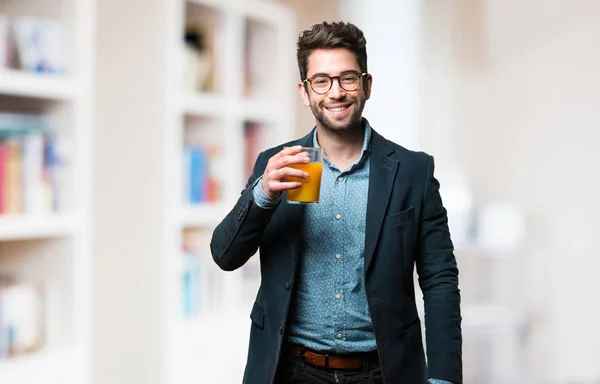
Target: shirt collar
(366, 141)
(365, 149)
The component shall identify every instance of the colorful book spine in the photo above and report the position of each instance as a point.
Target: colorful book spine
(29, 165)
(200, 183)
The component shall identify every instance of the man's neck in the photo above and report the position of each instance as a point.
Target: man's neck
(342, 148)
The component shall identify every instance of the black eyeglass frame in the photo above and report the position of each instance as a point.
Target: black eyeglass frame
(309, 80)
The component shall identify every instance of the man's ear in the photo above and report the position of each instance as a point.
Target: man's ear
(304, 94)
(368, 85)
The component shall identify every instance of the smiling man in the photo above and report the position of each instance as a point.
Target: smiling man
(337, 300)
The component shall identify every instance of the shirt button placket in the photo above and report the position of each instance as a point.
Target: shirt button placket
(339, 197)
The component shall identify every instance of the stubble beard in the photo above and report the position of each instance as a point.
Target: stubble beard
(353, 124)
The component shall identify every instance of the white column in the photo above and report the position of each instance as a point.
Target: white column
(392, 30)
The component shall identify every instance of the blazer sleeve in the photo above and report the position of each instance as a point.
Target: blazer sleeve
(438, 279)
(238, 235)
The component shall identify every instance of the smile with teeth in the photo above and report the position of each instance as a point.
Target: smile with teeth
(337, 109)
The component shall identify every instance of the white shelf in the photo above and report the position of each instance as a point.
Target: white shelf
(218, 4)
(487, 318)
(20, 227)
(202, 104)
(476, 250)
(265, 12)
(227, 318)
(261, 111)
(209, 338)
(37, 85)
(491, 318)
(48, 367)
(262, 11)
(203, 215)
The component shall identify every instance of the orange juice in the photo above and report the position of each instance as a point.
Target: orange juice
(311, 187)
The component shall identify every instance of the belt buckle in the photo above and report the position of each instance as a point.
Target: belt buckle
(303, 354)
(326, 361)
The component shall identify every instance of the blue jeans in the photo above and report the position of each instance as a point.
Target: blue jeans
(294, 370)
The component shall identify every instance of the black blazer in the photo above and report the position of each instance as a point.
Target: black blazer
(406, 226)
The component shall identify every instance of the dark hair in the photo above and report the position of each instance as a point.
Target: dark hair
(328, 36)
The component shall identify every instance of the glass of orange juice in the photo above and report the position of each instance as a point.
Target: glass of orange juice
(309, 192)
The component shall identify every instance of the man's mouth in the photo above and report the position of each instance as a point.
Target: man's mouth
(337, 109)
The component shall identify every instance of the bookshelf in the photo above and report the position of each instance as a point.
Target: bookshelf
(23, 227)
(45, 252)
(248, 107)
(173, 96)
(32, 85)
(495, 319)
(493, 309)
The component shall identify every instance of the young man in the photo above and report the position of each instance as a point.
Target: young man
(336, 302)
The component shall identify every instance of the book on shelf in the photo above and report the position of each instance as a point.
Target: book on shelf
(28, 165)
(202, 282)
(191, 277)
(38, 44)
(22, 318)
(199, 56)
(201, 185)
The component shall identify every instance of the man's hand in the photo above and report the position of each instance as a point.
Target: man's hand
(273, 180)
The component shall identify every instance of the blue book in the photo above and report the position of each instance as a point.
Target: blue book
(191, 284)
(198, 167)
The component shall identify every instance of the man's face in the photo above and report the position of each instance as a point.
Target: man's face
(337, 110)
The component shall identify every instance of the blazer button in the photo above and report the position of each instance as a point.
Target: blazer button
(288, 284)
(281, 330)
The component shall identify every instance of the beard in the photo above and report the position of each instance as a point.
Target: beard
(354, 121)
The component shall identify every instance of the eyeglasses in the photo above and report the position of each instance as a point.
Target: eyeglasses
(321, 84)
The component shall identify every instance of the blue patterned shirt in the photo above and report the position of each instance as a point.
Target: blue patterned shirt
(330, 311)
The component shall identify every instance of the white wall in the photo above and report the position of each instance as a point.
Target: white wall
(392, 30)
(523, 115)
(128, 218)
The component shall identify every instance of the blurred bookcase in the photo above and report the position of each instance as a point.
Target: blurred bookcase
(45, 128)
(231, 96)
(495, 319)
(494, 316)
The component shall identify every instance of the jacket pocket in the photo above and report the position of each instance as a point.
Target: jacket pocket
(398, 218)
(258, 316)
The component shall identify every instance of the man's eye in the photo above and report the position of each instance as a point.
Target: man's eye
(320, 81)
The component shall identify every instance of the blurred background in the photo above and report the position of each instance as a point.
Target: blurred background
(128, 130)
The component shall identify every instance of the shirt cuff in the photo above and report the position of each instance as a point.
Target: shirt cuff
(438, 381)
(261, 198)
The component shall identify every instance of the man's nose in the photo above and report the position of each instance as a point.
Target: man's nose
(336, 91)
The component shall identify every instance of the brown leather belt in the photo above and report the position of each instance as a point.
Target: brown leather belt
(326, 361)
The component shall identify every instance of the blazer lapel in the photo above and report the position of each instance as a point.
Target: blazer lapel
(381, 180)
